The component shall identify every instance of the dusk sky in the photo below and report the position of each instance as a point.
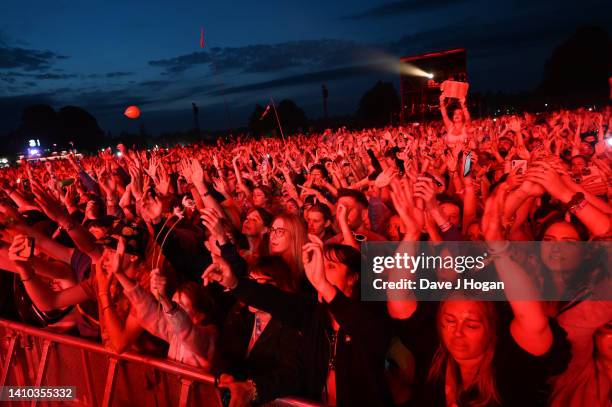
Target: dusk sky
(106, 55)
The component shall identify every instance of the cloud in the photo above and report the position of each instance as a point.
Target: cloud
(118, 74)
(11, 76)
(307, 78)
(109, 75)
(402, 7)
(54, 76)
(182, 62)
(11, 108)
(267, 58)
(27, 59)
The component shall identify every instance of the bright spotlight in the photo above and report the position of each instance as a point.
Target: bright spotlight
(430, 75)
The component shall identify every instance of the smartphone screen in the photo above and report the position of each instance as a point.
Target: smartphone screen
(467, 164)
(28, 250)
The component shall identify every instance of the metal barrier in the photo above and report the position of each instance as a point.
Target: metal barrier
(34, 357)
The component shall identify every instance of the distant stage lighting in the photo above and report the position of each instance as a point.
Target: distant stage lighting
(430, 75)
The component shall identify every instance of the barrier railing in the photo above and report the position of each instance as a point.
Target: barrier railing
(33, 357)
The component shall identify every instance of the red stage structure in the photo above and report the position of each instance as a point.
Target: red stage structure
(420, 94)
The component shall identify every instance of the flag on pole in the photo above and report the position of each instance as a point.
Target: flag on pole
(265, 113)
(202, 37)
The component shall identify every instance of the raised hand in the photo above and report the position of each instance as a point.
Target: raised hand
(342, 215)
(158, 284)
(106, 155)
(212, 220)
(137, 182)
(492, 218)
(49, 204)
(221, 186)
(197, 173)
(102, 277)
(424, 189)
(14, 252)
(312, 257)
(71, 197)
(221, 273)
(153, 165)
(185, 170)
(544, 174)
(117, 261)
(515, 178)
(402, 199)
(384, 178)
(162, 179)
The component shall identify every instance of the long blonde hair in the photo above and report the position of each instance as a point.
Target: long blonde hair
(298, 235)
(484, 385)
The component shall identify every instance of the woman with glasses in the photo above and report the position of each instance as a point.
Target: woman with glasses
(287, 236)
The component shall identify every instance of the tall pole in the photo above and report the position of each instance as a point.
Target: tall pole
(196, 120)
(277, 120)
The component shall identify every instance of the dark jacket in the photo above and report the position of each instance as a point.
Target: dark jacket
(361, 346)
(273, 363)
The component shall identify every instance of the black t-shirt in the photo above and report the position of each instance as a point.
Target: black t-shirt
(521, 377)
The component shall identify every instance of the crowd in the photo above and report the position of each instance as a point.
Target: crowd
(243, 258)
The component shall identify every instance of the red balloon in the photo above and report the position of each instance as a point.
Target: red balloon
(132, 112)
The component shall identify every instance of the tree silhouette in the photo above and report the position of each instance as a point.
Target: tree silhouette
(291, 116)
(80, 127)
(578, 70)
(38, 122)
(69, 124)
(263, 126)
(378, 105)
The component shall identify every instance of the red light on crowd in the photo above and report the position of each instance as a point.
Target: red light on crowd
(132, 112)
